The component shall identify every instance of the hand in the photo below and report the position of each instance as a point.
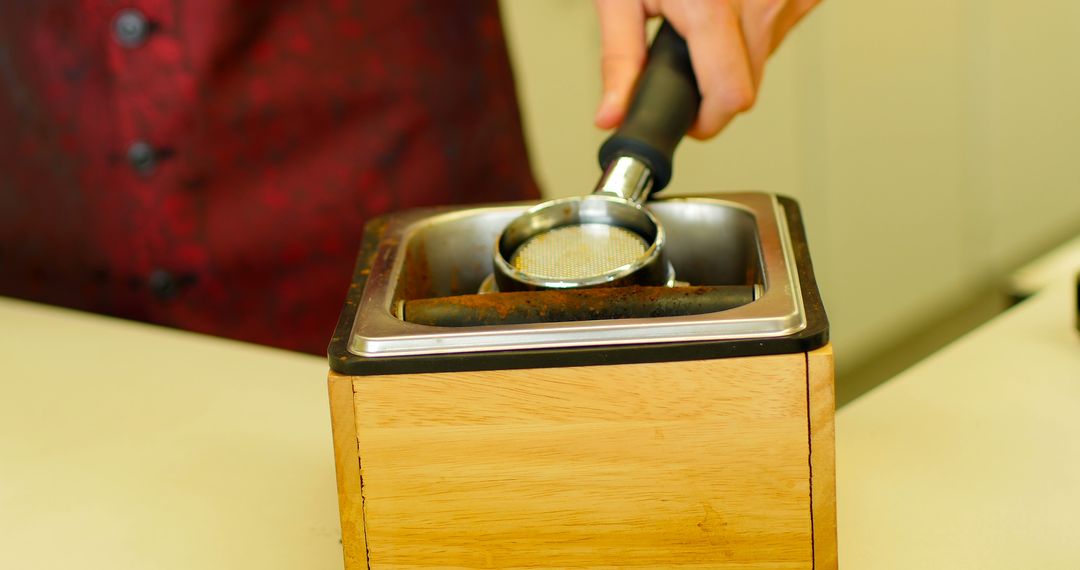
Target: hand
(729, 41)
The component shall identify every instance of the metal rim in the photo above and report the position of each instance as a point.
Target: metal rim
(594, 208)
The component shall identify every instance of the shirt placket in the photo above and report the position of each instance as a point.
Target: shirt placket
(146, 58)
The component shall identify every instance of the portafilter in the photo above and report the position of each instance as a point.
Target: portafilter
(607, 238)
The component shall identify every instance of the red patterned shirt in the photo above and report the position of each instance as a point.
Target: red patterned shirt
(209, 164)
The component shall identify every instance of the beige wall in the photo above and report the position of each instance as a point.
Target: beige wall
(933, 145)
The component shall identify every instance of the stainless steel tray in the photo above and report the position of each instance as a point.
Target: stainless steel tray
(721, 239)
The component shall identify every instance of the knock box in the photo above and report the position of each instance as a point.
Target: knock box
(689, 440)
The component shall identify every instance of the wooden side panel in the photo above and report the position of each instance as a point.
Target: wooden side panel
(823, 455)
(347, 462)
(697, 464)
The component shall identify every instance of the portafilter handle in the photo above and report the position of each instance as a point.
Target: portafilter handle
(637, 158)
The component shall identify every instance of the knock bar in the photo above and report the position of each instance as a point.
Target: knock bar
(554, 305)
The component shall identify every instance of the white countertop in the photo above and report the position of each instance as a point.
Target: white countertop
(971, 459)
(124, 445)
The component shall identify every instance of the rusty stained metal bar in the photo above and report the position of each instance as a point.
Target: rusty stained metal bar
(549, 306)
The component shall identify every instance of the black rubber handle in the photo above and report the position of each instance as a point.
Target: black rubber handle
(664, 105)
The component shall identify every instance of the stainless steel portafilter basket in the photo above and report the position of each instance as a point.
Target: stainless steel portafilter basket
(582, 242)
(608, 238)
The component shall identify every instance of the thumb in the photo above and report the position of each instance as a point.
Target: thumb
(622, 39)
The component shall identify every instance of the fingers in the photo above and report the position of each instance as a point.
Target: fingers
(726, 77)
(729, 42)
(622, 37)
(790, 14)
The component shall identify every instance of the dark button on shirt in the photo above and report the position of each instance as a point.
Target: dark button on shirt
(163, 285)
(142, 157)
(130, 28)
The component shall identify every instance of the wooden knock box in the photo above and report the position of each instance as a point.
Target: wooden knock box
(688, 441)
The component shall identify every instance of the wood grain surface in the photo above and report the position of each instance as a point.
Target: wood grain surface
(347, 463)
(822, 408)
(700, 464)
